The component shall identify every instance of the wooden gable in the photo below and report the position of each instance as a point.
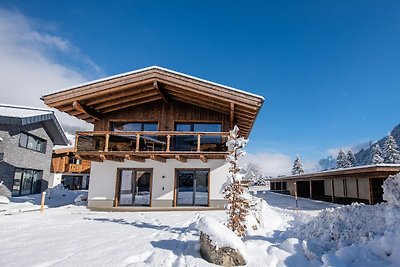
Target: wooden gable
(96, 100)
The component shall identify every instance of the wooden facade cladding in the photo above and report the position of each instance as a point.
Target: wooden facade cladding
(166, 115)
(158, 93)
(60, 162)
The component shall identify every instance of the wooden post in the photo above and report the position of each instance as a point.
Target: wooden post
(232, 115)
(371, 192)
(137, 142)
(333, 191)
(311, 190)
(168, 143)
(198, 142)
(76, 142)
(107, 142)
(42, 202)
(295, 193)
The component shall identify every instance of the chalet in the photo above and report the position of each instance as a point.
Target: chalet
(69, 171)
(159, 137)
(358, 184)
(27, 137)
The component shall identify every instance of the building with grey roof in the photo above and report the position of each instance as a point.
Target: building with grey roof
(27, 137)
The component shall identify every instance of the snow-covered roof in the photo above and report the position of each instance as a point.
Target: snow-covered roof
(341, 170)
(90, 101)
(22, 115)
(163, 69)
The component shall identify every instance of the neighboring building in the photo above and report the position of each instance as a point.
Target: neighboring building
(27, 136)
(73, 173)
(159, 136)
(358, 184)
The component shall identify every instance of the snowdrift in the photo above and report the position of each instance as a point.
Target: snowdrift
(346, 233)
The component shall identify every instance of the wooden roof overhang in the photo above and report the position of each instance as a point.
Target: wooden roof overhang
(92, 100)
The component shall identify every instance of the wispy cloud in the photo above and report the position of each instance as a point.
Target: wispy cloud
(32, 66)
(354, 147)
(274, 164)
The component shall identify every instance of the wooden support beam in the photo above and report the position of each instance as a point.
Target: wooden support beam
(86, 110)
(115, 158)
(198, 142)
(232, 115)
(168, 143)
(135, 158)
(203, 158)
(181, 158)
(163, 96)
(158, 158)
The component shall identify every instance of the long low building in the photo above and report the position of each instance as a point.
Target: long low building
(358, 184)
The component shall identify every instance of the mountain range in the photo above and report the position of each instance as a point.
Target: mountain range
(363, 156)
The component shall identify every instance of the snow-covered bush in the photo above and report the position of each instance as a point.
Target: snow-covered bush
(57, 191)
(391, 190)
(234, 191)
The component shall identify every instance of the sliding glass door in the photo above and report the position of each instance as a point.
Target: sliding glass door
(27, 182)
(134, 187)
(192, 188)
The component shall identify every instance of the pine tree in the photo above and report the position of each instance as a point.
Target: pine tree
(297, 166)
(391, 152)
(351, 159)
(235, 192)
(376, 154)
(341, 160)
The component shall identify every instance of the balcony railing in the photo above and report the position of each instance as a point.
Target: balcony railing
(77, 168)
(160, 141)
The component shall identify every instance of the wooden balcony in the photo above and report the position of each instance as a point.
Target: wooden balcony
(158, 145)
(77, 168)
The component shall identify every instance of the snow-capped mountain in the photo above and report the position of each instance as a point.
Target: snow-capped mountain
(363, 153)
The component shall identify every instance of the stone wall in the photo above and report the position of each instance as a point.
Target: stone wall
(19, 157)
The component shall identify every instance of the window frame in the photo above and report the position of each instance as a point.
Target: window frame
(39, 142)
(23, 171)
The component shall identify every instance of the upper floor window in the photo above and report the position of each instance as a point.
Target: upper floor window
(198, 127)
(134, 126)
(189, 142)
(32, 142)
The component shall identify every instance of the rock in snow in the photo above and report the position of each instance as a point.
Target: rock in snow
(219, 245)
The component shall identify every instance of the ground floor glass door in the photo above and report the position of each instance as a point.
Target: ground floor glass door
(192, 188)
(134, 187)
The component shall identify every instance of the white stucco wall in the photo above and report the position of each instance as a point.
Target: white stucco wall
(104, 174)
(55, 180)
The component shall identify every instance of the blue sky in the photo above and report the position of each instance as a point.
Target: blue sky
(329, 70)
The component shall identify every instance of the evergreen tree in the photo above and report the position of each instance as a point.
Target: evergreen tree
(376, 157)
(351, 159)
(297, 166)
(391, 152)
(341, 160)
(235, 192)
(252, 172)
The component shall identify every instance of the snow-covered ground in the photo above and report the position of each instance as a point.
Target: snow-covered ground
(71, 235)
